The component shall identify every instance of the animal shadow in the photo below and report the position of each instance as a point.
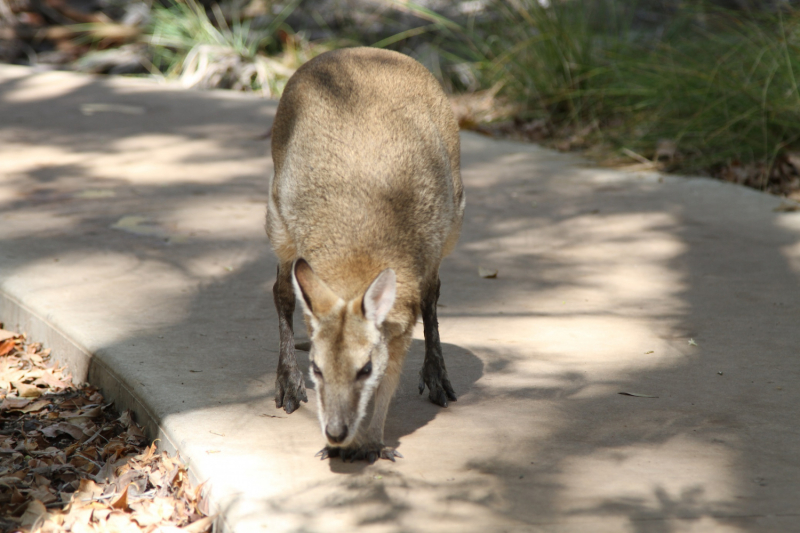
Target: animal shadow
(411, 410)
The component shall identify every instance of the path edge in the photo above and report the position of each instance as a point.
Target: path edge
(86, 367)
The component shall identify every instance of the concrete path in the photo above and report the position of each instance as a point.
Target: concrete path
(132, 242)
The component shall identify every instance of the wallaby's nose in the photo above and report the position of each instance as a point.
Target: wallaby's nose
(336, 433)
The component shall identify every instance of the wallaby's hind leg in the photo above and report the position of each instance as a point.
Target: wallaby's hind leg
(433, 372)
(290, 388)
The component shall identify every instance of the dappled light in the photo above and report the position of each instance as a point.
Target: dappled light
(140, 238)
(692, 480)
(28, 90)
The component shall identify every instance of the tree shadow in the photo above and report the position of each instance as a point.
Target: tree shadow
(540, 437)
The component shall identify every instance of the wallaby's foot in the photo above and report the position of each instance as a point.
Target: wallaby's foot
(437, 382)
(367, 452)
(290, 390)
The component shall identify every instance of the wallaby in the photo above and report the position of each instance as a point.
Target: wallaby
(365, 201)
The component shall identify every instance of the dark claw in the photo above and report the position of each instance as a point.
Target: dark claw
(326, 452)
(366, 453)
(440, 388)
(348, 455)
(289, 406)
(390, 453)
(451, 394)
(439, 398)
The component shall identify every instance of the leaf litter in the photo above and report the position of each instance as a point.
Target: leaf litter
(637, 395)
(70, 463)
(487, 273)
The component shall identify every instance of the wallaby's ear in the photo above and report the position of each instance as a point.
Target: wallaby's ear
(379, 298)
(317, 298)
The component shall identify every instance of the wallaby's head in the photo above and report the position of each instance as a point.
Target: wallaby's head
(349, 354)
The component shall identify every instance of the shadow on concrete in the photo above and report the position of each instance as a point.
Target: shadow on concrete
(716, 449)
(726, 404)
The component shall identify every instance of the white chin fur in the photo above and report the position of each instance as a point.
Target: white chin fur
(370, 386)
(366, 395)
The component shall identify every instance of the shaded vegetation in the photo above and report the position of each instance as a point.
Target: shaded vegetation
(720, 85)
(703, 87)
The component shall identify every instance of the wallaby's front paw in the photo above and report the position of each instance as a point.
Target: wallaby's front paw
(368, 452)
(290, 391)
(438, 384)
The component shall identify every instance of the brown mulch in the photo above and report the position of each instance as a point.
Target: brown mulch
(781, 178)
(70, 462)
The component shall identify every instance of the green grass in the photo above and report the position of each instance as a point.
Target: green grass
(721, 84)
(214, 53)
(726, 91)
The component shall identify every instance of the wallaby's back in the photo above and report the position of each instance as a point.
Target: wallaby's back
(366, 155)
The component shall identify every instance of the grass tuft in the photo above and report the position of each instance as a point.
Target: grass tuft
(214, 53)
(721, 85)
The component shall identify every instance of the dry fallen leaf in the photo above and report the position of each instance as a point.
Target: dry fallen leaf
(7, 346)
(93, 412)
(63, 427)
(487, 273)
(126, 418)
(91, 109)
(666, 150)
(25, 390)
(60, 444)
(201, 526)
(14, 404)
(637, 395)
(33, 512)
(38, 405)
(43, 494)
(139, 225)
(94, 193)
(4, 335)
(787, 207)
(135, 435)
(121, 500)
(638, 157)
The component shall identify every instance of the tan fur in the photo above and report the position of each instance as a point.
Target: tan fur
(366, 156)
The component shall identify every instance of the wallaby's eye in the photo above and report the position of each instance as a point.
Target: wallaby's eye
(316, 370)
(365, 371)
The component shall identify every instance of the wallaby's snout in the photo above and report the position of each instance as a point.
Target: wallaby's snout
(365, 201)
(336, 432)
